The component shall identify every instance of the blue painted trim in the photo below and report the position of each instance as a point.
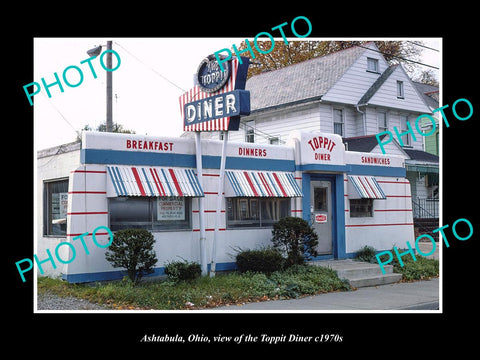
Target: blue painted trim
(114, 157)
(377, 170)
(353, 169)
(338, 210)
(322, 167)
(119, 274)
(340, 214)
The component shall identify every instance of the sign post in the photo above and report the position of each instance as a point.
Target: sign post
(215, 103)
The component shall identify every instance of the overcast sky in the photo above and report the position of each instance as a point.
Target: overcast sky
(143, 99)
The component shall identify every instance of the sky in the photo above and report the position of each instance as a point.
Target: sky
(152, 75)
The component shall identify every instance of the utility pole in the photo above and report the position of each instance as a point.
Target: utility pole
(109, 124)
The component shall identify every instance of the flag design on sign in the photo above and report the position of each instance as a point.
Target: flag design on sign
(195, 93)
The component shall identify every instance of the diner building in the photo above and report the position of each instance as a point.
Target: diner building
(120, 181)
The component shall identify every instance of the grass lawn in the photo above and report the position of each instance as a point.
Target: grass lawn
(204, 292)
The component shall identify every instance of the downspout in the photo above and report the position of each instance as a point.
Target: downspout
(364, 118)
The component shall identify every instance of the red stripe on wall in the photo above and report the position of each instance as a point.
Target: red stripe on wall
(378, 225)
(89, 171)
(392, 182)
(88, 213)
(87, 192)
(221, 229)
(89, 234)
(395, 210)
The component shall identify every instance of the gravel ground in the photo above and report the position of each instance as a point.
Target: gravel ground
(49, 301)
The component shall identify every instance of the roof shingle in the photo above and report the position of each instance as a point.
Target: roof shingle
(303, 81)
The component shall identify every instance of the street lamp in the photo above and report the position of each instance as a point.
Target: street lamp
(94, 53)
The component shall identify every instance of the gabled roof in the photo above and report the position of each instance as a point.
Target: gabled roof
(301, 82)
(429, 93)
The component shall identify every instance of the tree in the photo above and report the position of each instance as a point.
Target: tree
(117, 128)
(284, 55)
(295, 237)
(427, 77)
(132, 249)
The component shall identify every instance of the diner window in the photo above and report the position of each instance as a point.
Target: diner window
(361, 207)
(150, 213)
(55, 203)
(256, 212)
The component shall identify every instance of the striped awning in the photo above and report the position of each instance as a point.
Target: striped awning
(262, 184)
(152, 181)
(364, 187)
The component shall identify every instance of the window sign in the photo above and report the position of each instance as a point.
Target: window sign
(59, 207)
(171, 208)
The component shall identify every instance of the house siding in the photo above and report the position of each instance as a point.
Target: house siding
(356, 80)
(278, 123)
(386, 95)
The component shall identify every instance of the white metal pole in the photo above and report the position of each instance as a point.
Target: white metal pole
(201, 206)
(220, 198)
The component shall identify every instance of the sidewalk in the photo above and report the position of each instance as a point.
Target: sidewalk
(418, 295)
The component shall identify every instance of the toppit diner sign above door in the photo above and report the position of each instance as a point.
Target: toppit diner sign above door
(218, 99)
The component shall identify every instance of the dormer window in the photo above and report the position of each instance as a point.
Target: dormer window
(372, 65)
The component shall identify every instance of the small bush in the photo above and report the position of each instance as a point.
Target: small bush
(132, 249)
(367, 254)
(421, 269)
(264, 261)
(183, 270)
(296, 238)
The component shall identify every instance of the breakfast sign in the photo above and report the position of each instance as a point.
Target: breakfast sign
(218, 98)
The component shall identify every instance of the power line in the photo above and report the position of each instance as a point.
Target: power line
(399, 57)
(60, 113)
(256, 131)
(424, 46)
(262, 133)
(149, 67)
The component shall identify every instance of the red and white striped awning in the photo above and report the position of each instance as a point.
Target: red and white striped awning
(152, 181)
(196, 93)
(364, 187)
(262, 184)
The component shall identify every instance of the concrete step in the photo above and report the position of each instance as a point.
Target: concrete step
(374, 280)
(360, 274)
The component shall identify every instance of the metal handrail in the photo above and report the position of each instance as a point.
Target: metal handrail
(422, 210)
